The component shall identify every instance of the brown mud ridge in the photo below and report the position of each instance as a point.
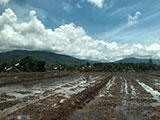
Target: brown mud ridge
(56, 98)
(127, 97)
(77, 101)
(25, 78)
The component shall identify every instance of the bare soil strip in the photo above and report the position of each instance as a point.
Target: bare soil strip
(25, 78)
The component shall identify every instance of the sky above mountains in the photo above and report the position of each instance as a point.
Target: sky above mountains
(105, 30)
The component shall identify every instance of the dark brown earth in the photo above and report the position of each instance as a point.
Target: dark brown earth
(80, 96)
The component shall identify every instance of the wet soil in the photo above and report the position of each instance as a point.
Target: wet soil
(45, 99)
(125, 99)
(80, 96)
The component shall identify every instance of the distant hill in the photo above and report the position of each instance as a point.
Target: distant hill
(48, 57)
(137, 60)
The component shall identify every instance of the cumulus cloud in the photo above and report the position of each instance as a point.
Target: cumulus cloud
(4, 2)
(67, 39)
(133, 19)
(98, 3)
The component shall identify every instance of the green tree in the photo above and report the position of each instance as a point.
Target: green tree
(41, 66)
(32, 63)
(150, 64)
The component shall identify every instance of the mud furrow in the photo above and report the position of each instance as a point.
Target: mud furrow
(110, 83)
(133, 91)
(122, 96)
(56, 106)
(154, 82)
(154, 93)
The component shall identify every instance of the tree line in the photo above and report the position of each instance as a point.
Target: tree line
(27, 64)
(107, 67)
(33, 64)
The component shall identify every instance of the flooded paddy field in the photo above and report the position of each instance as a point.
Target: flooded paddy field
(79, 96)
(32, 95)
(126, 96)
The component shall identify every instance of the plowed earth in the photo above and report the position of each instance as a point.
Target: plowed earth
(80, 96)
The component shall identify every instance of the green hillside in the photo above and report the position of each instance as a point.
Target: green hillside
(48, 57)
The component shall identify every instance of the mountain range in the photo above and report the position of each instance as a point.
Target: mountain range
(48, 57)
(137, 60)
(54, 58)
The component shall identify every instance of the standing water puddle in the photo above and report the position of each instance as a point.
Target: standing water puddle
(154, 93)
(40, 91)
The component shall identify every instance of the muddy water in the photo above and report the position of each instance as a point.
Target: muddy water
(25, 94)
(31, 93)
(125, 97)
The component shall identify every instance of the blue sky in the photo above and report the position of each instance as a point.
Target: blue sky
(121, 24)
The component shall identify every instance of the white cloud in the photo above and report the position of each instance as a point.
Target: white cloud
(133, 19)
(66, 6)
(123, 10)
(126, 33)
(4, 2)
(98, 3)
(67, 39)
(78, 5)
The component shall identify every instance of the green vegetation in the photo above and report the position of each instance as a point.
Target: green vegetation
(18, 61)
(108, 67)
(32, 64)
(27, 64)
